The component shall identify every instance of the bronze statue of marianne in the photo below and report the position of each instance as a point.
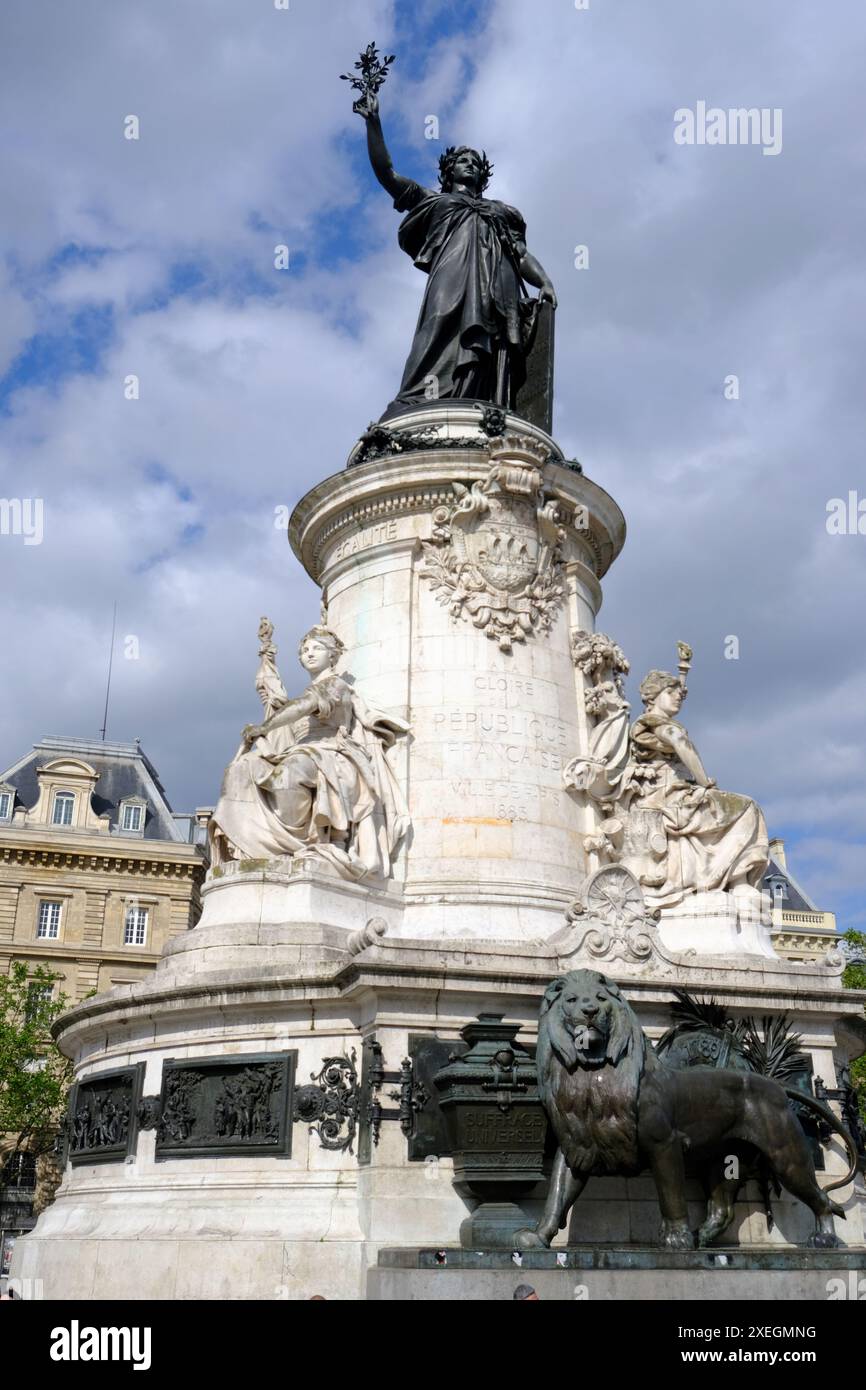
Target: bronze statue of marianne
(477, 321)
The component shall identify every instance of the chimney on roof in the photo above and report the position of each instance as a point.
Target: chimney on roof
(777, 850)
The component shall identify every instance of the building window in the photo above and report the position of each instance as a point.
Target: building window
(135, 931)
(64, 803)
(780, 890)
(132, 817)
(5, 805)
(37, 997)
(49, 920)
(20, 1170)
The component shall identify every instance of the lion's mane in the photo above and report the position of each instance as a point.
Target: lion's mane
(593, 1110)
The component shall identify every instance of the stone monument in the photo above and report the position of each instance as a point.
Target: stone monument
(333, 1072)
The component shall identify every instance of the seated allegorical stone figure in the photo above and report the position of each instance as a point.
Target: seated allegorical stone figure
(313, 779)
(686, 836)
(664, 817)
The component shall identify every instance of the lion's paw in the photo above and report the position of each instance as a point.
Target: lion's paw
(676, 1235)
(825, 1240)
(528, 1239)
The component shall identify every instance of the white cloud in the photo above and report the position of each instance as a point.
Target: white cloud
(703, 262)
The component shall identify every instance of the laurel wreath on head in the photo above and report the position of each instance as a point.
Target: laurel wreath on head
(448, 160)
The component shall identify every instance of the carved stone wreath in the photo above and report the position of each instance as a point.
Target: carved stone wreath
(495, 556)
(613, 895)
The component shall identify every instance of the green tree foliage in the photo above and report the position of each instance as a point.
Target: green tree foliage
(855, 972)
(34, 1074)
(855, 978)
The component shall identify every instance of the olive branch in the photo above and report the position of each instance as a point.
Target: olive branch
(370, 73)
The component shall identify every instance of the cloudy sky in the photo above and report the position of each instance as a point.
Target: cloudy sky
(155, 258)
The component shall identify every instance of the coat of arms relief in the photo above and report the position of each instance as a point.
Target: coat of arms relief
(495, 557)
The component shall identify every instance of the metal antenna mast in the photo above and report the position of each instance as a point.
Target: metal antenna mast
(110, 661)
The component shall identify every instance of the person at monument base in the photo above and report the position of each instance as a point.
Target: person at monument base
(313, 779)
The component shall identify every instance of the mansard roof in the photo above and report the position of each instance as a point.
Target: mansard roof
(124, 772)
(796, 899)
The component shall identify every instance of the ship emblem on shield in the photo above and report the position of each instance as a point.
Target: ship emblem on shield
(504, 547)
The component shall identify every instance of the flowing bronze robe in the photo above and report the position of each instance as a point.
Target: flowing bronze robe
(476, 316)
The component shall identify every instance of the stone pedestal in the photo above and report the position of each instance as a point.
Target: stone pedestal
(463, 631)
(279, 914)
(721, 924)
(494, 701)
(621, 1275)
(288, 1227)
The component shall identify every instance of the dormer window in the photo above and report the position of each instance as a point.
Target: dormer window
(132, 816)
(780, 890)
(5, 806)
(63, 808)
(66, 788)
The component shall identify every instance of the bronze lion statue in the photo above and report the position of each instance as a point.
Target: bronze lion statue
(617, 1108)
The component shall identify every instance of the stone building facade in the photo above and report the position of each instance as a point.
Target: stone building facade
(96, 871)
(801, 930)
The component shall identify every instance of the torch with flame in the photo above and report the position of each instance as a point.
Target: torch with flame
(684, 661)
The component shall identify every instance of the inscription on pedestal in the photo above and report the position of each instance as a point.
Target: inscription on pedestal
(514, 725)
(501, 739)
(490, 1129)
(511, 687)
(368, 536)
(511, 801)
